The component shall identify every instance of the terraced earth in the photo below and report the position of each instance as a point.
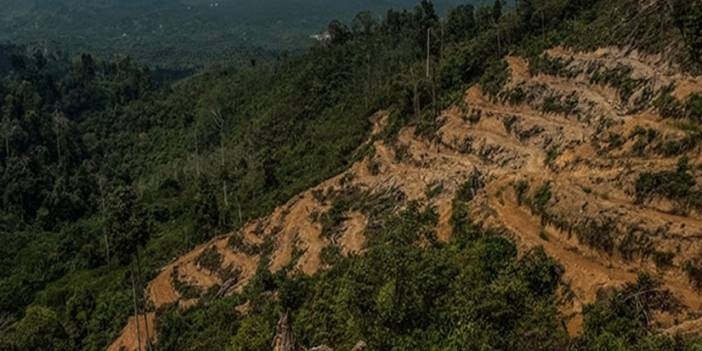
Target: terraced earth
(572, 154)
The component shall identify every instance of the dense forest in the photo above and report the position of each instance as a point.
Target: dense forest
(180, 33)
(108, 172)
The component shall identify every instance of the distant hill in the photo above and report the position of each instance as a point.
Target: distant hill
(178, 33)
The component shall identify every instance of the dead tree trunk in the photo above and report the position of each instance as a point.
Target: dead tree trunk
(499, 43)
(284, 339)
(219, 120)
(441, 46)
(197, 151)
(136, 311)
(238, 206)
(57, 133)
(428, 52)
(415, 102)
(140, 284)
(107, 250)
(7, 130)
(101, 188)
(543, 26)
(433, 97)
(368, 78)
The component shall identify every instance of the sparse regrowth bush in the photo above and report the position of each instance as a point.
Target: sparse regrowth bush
(335, 216)
(551, 156)
(468, 190)
(644, 137)
(521, 188)
(599, 235)
(238, 243)
(515, 96)
(374, 166)
(210, 259)
(541, 198)
(693, 105)
(460, 216)
(622, 317)
(693, 268)
(184, 289)
(668, 106)
(663, 259)
(552, 66)
(495, 78)
(678, 185)
(433, 190)
(561, 104)
(620, 78)
(331, 254)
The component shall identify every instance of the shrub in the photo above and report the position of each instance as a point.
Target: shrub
(238, 243)
(470, 188)
(619, 78)
(495, 77)
(598, 235)
(677, 185)
(663, 259)
(623, 316)
(433, 190)
(331, 254)
(694, 107)
(335, 216)
(210, 259)
(694, 273)
(550, 66)
(541, 198)
(521, 187)
(185, 290)
(551, 156)
(668, 106)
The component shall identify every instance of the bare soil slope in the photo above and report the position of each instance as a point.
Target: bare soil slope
(568, 132)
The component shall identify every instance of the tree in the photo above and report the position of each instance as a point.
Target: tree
(525, 11)
(364, 23)
(126, 223)
(339, 33)
(220, 121)
(41, 329)
(60, 124)
(7, 127)
(205, 210)
(254, 334)
(428, 12)
(426, 18)
(460, 23)
(497, 10)
(392, 23)
(86, 67)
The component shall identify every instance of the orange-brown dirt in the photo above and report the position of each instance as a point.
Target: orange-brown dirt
(591, 181)
(129, 338)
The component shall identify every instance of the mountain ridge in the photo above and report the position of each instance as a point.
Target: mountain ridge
(496, 143)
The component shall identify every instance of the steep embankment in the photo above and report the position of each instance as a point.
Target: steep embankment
(557, 154)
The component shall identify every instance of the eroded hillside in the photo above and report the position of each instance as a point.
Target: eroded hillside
(575, 153)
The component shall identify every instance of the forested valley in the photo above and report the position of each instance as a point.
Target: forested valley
(109, 170)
